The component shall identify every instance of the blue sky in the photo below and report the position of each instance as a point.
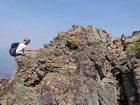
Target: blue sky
(41, 20)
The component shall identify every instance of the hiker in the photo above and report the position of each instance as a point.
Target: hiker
(22, 47)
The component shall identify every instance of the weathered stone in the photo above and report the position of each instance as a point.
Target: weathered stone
(82, 66)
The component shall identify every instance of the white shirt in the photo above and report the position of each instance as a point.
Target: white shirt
(20, 48)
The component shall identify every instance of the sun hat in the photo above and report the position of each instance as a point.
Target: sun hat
(27, 39)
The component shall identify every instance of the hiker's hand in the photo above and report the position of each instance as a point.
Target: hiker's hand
(36, 49)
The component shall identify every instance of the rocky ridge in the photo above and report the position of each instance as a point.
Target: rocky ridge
(79, 67)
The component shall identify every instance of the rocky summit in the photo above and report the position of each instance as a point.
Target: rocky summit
(83, 66)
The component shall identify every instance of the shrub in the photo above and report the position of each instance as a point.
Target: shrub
(78, 49)
(2, 93)
(133, 46)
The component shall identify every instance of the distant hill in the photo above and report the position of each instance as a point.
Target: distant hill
(4, 75)
(7, 64)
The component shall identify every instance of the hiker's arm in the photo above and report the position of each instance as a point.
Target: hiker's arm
(28, 49)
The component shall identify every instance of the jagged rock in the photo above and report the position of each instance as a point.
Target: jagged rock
(82, 66)
(3, 92)
(3, 83)
(134, 37)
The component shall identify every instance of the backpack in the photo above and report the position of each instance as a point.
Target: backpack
(12, 50)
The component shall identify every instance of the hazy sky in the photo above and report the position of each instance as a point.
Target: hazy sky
(42, 19)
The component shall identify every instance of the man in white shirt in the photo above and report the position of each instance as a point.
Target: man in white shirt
(22, 47)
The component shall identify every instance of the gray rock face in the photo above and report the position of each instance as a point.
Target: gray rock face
(79, 67)
(3, 83)
(134, 37)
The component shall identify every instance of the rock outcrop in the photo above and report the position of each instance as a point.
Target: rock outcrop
(79, 67)
(3, 83)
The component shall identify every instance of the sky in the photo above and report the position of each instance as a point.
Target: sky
(41, 20)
